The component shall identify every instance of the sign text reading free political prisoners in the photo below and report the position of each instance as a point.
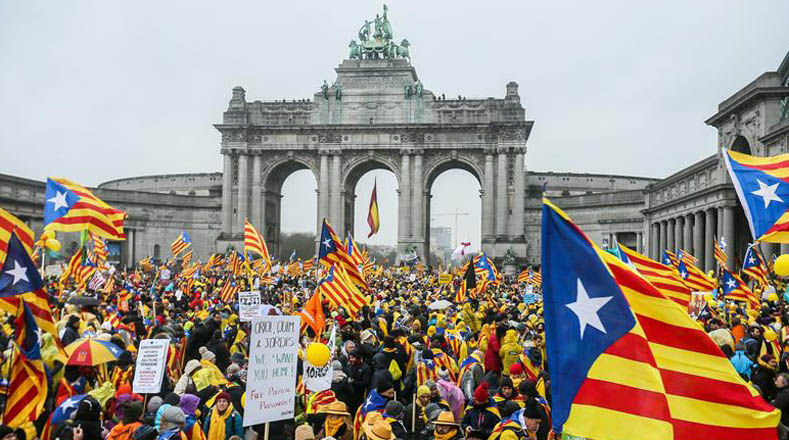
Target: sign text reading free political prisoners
(271, 374)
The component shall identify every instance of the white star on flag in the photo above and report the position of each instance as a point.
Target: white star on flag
(19, 273)
(767, 193)
(59, 200)
(327, 243)
(586, 309)
(731, 283)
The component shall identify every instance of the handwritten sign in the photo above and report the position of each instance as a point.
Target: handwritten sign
(248, 305)
(319, 378)
(271, 373)
(149, 370)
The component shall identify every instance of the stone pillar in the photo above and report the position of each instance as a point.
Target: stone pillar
(709, 239)
(678, 231)
(517, 226)
(663, 240)
(728, 234)
(404, 210)
(488, 222)
(784, 249)
(243, 190)
(719, 222)
(687, 238)
(501, 194)
(671, 235)
(257, 199)
(640, 242)
(417, 199)
(335, 207)
(698, 237)
(227, 194)
(654, 240)
(323, 190)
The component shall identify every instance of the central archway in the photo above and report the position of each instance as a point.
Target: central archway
(355, 212)
(297, 180)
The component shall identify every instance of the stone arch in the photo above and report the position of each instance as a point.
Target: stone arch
(272, 179)
(740, 144)
(354, 171)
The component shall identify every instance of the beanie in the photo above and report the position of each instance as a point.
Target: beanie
(384, 385)
(422, 391)
(394, 408)
(516, 369)
(132, 411)
(505, 382)
(222, 395)
(481, 393)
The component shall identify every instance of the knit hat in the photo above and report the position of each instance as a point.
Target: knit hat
(172, 398)
(422, 391)
(189, 404)
(384, 385)
(516, 369)
(481, 393)
(394, 408)
(206, 354)
(505, 382)
(191, 366)
(132, 411)
(304, 432)
(443, 373)
(172, 416)
(237, 358)
(222, 395)
(233, 369)
(154, 403)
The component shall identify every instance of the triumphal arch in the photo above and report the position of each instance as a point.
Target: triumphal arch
(376, 113)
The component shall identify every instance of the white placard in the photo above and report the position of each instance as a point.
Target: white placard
(319, 378)
(248, 305)
(149, 370)
(271, 373)
(164, 274)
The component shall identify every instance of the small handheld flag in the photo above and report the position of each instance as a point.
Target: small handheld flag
(372, 215)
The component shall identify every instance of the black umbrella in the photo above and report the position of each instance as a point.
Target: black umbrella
(83, 300)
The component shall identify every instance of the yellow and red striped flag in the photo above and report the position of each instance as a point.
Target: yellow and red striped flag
(720, 253)
(181, 243)
(254, 242)
(70, 207)
(229, 291)
(186, 259)
(753, 266)
(9, 223)
(625, 361)
(663, 277)
(333, 252)
(524, 276)
(338, 288)
(373, 219)
(27, 388)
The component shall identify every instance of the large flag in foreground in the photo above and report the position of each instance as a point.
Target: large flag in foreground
(762, 186)
(73, 208)
(626, 362)
(9, 224)
(663, 277)
(27, 389)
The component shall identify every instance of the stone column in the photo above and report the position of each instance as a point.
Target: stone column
(404, 210)
(671, 235)
(698, 237)
(417, 199)
(517, 227)
(728, 234)
(488, 222)
(663, 240)
(336, 194)
(257, 213)
(678, 230)
(640, 242)
(709, 239)
(227, 194)
(654, 239)
(687, 239)
(501, 194)
(719, 222)
(243, 190)
(323, 190)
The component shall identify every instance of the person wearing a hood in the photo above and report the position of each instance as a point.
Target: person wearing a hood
(210, 370)
(222, 422)
(186, 383)
(507, 393)
(510, 351)
(381, 371)
(132, 411)
(124, 370)
(85, 423)
(71, 332)
(393, 414)
(171, 424)
(171, 399)
(359, 375)
(218, 347)
(742, 363)
(189, 404)
(339, 383)
(415, 419)
(240, 344)
(481, 416)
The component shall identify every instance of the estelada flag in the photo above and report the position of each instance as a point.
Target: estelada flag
(626, 361)
(71, 207)
(372, 215)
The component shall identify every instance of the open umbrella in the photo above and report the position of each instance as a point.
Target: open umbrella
(83, 300)
(439, 305)
(89, 352)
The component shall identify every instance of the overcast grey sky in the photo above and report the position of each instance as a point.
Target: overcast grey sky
(96, 90)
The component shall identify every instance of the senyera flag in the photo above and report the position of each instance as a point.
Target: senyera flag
(372, 215)
(71, 207)
(762, 185)
(627, 362)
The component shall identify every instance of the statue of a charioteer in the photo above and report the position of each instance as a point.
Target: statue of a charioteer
(376, 43)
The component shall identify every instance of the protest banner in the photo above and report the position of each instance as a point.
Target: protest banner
(149, 370)
(271, 372)
(319, 378)
(444, 278)
(248, 305)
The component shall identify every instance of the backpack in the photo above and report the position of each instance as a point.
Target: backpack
(395, 371)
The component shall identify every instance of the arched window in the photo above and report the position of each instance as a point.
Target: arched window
(157, 251)
(741, 145)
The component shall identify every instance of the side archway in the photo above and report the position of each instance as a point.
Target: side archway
(355, 171)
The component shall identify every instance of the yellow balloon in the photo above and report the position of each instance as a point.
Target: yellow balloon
(47, 235)
(773, 297)
(781, 267)
(52, 244)
(770, 335)
(318, 354)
